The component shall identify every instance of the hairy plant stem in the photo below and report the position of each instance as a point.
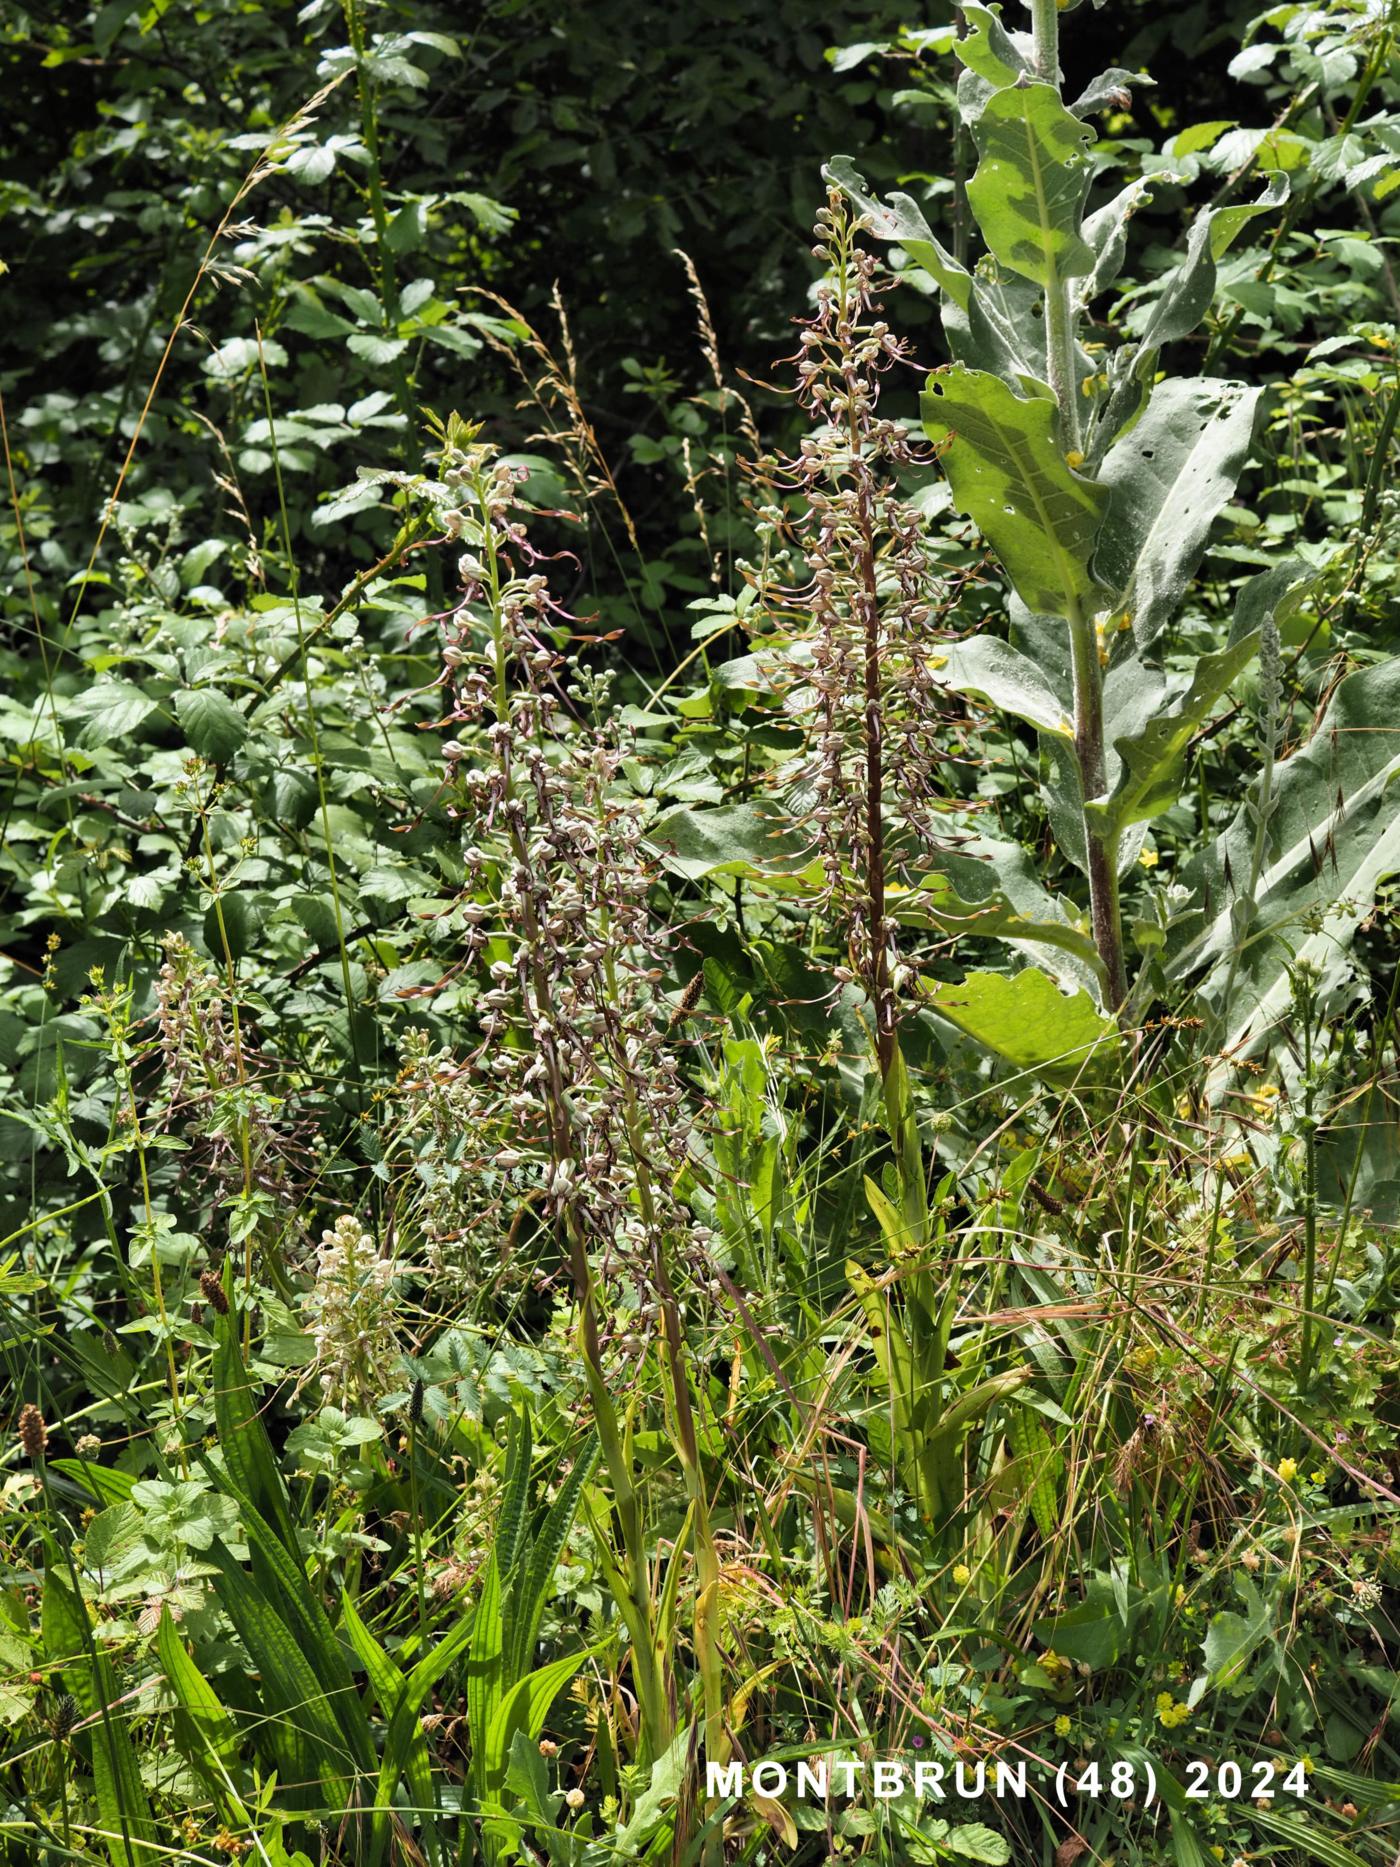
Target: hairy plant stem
(1059, 312)
(1101, 849)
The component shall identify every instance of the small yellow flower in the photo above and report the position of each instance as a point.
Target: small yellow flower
(1148, 857)
(1288, 1470)
(1062, 1726)
(962, 1575)
(1074, 458)
(1218, 1852)
(1317, 1476)
(1308, 1765)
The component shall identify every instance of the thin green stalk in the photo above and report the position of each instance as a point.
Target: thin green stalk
(1309, 1126)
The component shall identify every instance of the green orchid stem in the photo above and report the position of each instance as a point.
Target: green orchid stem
(1101, 847)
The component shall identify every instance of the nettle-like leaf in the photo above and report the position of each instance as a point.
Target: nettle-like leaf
(1332, 840)
(1007, 473)
(1168, 478)
(1028, 191)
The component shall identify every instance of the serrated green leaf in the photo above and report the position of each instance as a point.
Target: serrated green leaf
(211, 723)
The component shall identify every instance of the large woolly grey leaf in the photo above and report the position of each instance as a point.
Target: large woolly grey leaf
(1029, 187)
(1333, 838)
(1168, 478)
(986, 889)
(987, 666)
(901, 220)
(1151, 718)
(1002, 457)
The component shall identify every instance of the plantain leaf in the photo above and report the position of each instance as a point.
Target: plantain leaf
(1030, 1022)
(535, 1577)
(299, 1730)
(1168, 478)
(205, 1734)
(123, 1810)
(243, 1439)
(524, 1708)
(1007, 473)
(1031, 179)
(1042, 1466)
(406, 1746)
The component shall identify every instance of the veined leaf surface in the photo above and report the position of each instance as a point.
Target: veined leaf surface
(1007, 473)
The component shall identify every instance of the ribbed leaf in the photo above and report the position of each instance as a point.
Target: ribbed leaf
(536, 1577)
(243, 1438)
(300, 1731)
(524, 1708)
(205, 1735)
(406, 1748)
(1042, 1466)
(1007, 473)
(284, 1584)
(122, 1808)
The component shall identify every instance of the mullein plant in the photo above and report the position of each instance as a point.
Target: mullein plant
(1095, 476)
(572, 1093)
